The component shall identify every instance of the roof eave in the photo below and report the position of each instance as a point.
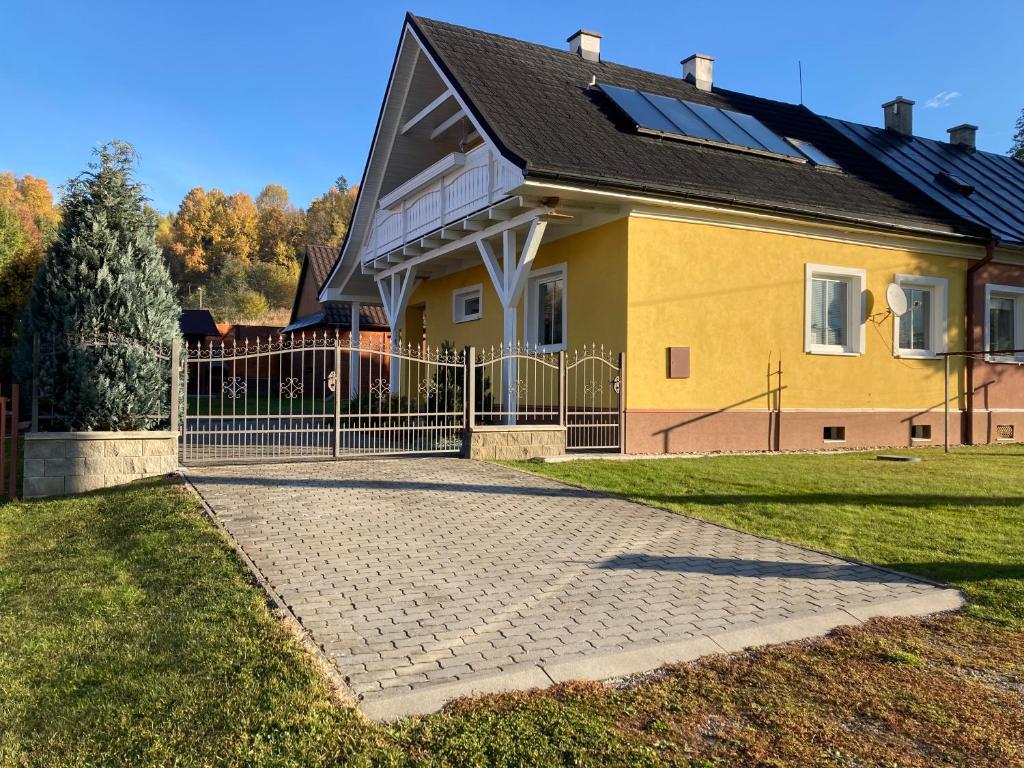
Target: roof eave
(541, 174)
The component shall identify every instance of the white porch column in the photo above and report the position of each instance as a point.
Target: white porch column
(509, 277)
(394, 292)
(354, 358)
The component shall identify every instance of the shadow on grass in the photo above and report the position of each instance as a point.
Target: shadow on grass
(756, 569)
(832, 499)
(963, 572)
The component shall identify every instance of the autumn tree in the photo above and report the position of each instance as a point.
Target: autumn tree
(328, 215)
(211, 227)
(281, 226)
(28, 223)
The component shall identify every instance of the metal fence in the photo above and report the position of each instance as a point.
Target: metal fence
(319, 395)
(308, 396)
(9, 406)
(581, 390)
(105, 357)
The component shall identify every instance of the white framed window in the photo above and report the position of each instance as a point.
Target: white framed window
(1004, 321)
(921, 332)
(468, 303)
(833, 309)
(546, 318)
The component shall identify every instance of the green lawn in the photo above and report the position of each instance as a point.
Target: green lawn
(130, 634)
(956, 518)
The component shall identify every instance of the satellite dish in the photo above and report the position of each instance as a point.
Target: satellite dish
(896, 299)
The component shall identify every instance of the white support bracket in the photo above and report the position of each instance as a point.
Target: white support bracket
(395, 290)
(509, 276)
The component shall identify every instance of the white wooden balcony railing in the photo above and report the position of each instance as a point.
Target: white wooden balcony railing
(453, 187)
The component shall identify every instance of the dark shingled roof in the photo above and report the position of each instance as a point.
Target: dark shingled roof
(997, 198)
(321, 260)
(371, 316)
(535, 103)
(197, 322)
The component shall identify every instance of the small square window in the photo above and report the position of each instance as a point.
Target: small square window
(467, 304)
(920, 431)
(834, 434)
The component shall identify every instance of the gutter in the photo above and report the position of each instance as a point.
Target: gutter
(720, 200)
(990, 252)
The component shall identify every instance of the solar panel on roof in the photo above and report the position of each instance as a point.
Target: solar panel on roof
(667, 116)
(814, 154)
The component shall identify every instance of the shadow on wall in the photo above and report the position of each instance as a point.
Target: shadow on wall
(774, 435)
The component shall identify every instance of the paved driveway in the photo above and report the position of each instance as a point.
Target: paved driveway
(433, 578)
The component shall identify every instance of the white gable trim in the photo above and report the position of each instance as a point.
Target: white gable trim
(389, 130)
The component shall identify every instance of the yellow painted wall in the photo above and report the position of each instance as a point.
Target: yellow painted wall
(736, 298)
(595, 293)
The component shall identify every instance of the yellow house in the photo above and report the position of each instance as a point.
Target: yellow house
(769, 285)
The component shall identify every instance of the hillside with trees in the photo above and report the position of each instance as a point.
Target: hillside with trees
(28, 225)
(240, 257)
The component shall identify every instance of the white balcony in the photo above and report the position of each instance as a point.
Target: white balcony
(450, 189)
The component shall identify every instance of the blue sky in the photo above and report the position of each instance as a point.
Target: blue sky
(239, 94)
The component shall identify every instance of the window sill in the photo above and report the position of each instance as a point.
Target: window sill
(834, 442)
(915, 354)
(1005, 360)
(833, 351)
(545, 349)
(469, 319)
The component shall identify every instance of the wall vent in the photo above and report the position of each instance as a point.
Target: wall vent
(920, 431)
(1004, 431)
(834, 434)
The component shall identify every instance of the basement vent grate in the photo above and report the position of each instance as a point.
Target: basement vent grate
(920, 431)
(834, 434)
(1004, 432)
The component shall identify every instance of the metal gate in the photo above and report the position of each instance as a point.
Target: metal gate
(594, 400)
(319, 396)
(581, 390)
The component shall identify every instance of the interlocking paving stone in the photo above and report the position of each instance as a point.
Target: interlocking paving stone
(429, 578)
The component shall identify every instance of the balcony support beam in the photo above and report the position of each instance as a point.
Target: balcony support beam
(509, 275)
(395, 290)
(424, 113)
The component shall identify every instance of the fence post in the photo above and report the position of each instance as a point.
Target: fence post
(12, 482)
(563, 420)
(35, 382)
(3, 443)
(470, 388)
(337, 392)
(175, 365)
(622, 402)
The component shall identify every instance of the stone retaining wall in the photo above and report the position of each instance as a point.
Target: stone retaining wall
(65, 463)
(518, 442)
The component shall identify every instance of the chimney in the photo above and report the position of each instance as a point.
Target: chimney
(697, 69)
(963, 136)
(586, 44)
(899, 116)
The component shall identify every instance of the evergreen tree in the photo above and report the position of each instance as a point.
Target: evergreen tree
(103, 278)
(1017, 149)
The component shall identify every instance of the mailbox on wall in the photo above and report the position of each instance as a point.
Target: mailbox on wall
(679, 362)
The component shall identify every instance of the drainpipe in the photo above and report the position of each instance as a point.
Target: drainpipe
(990, 250)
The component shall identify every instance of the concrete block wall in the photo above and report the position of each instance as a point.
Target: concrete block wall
(65, 463)
(516, 442)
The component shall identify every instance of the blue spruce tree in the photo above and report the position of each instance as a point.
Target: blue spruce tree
(103, 279)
